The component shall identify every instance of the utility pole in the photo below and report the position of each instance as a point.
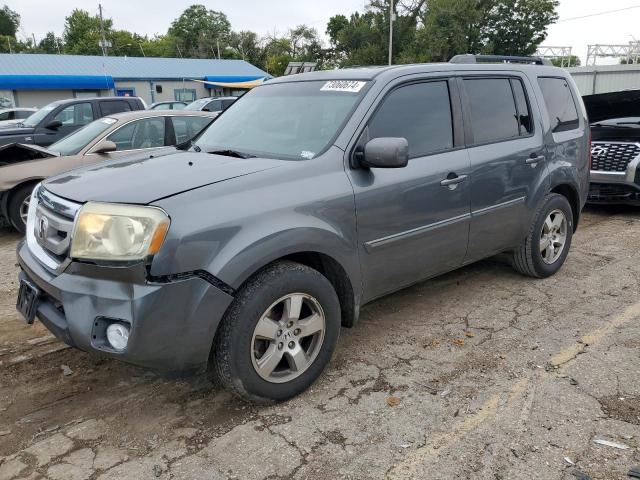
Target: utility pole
(218, 45)
(179, 52)
(9, 43)
(33, 35)
(392, 17)
(103, 43)
(141, 49)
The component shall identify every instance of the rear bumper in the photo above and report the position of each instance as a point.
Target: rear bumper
(172, 324)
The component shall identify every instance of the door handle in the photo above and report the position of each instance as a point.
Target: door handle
(533, 160)
(448, 182)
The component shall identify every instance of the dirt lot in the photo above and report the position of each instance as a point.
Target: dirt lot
(480, 374)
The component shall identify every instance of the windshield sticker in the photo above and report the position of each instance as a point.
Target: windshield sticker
(307, 154)
(353, 86)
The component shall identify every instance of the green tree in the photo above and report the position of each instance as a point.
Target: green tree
(50, 44)
(246, 45)
(572, 60)
(517, 27)
(9, 22)
(201, 31)
(82, 33)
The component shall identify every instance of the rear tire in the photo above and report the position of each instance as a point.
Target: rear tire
(18, 205)
(278, 334)
(547, 244)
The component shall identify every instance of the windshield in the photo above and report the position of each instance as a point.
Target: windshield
(198, 104)
(294, 120)
(37, 117)
(72, 144)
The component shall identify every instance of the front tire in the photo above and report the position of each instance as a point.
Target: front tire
(18, 206)
(547, 244)
(279, 333)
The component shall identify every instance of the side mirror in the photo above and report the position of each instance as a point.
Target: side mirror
(386, 152)
(105, 146)
(53, 125)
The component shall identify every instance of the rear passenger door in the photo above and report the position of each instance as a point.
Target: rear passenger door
(71, 117)
(413, 222)
(507, 154)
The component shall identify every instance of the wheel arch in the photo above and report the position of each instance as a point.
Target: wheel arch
(571, 194)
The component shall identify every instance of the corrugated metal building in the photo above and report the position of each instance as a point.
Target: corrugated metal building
(606, 78)
(28, 80)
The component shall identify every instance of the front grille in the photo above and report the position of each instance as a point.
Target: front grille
(613, 156)
(50, 226)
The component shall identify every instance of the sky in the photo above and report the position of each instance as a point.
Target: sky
(262, 16)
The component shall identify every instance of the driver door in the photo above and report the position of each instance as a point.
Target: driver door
(413, 222)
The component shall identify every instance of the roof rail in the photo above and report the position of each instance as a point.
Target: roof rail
(470, 58)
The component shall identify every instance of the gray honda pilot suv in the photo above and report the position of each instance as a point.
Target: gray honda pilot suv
(309, 197)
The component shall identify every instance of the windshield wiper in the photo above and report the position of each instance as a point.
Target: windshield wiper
(231, 153)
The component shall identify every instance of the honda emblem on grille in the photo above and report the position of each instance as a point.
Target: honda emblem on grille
(599, 151)
(42, 227)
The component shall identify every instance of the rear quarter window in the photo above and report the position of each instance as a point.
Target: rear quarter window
(561, 107)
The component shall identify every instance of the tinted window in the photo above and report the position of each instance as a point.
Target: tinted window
(162, 106)
(227, 103)
(115, 106)
(563, 114)
(524, 115)
(5, 116)
(493, 110)
(74, 115)
(421, 113)
(188, 127)
(146, 133)
(23, 113)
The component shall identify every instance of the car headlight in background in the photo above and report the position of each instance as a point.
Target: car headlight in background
(117, 232)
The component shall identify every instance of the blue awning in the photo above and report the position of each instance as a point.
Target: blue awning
(56, 82)
(232, 78)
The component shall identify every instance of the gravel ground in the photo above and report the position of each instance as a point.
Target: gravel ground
(480, 374)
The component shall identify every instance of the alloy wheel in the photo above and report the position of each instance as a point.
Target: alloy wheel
(553, 236)
(288, 337)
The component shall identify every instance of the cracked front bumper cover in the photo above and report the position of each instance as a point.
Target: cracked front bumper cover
(172, 324)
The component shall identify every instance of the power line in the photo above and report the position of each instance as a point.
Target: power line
(598, 14)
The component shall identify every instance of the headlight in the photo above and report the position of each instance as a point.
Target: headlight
(117, 232)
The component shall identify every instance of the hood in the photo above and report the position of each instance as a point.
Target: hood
(605, 106)
(20, 152)
(143, 181)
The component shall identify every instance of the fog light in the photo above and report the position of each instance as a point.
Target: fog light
(118, 336)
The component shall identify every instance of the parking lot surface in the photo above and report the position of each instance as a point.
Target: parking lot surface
(480, 374)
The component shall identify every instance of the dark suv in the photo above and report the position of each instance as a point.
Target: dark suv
(313, 195)
(59, 119)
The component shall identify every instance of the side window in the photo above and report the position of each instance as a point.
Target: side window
(23, 114)
(419, 112)
(492, 109)
(227, 103)
(75, 115)
(5, 116)
(146, 133)
(214, 106)
(188, 127)
(524, 115)
(114, 106)
(561, 107)
(163, 106)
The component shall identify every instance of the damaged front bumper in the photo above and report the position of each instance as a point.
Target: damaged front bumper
(172, 322)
